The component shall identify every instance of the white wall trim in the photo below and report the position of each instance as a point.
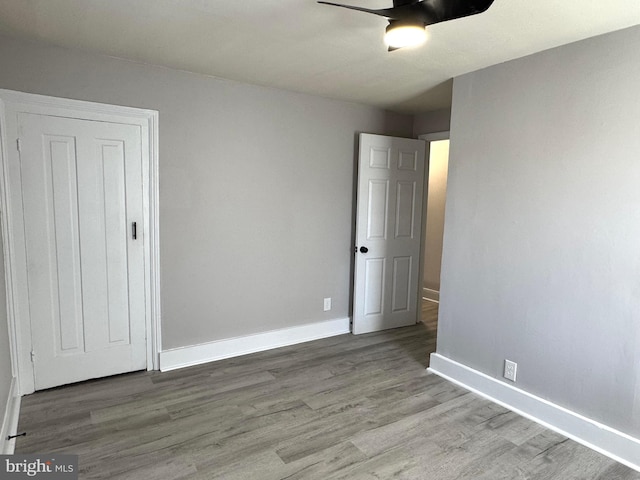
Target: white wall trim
(11, 103)
(10, 419)
(431, 295)
(4, 218)
(617, 445)
(233, 347)
(154, 342)
(435, 136)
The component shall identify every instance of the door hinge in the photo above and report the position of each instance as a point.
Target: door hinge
(19, 145)
(33, 356)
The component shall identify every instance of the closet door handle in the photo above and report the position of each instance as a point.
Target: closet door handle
(134, 230)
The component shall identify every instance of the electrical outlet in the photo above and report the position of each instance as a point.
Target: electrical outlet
(327, 304)
(510, 370)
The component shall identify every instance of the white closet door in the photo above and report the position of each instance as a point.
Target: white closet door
(82, 193)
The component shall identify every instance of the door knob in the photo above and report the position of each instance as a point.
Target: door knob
(364, 249)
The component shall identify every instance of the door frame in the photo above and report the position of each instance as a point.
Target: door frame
(12, 103)
(427, 137)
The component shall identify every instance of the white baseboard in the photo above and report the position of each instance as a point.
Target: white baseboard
(234, 347)
(431, 295)
(10, 420)
(617, 445)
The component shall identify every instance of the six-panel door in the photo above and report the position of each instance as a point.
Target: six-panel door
(389, 225)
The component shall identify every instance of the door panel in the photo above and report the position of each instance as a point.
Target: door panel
(374, 285)
(408, 160)
(377, 215)
(390, 186)
(104, 243)
(81, 183)
(115, 222)
(64, 301)
(379, 157)
(401, 292)
(405, 209)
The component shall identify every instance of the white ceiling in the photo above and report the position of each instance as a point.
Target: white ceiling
(301, 46)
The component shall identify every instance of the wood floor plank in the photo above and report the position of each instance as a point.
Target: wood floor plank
(339, 408)
(324, 463)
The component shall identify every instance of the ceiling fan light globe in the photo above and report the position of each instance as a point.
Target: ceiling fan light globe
(400, 36)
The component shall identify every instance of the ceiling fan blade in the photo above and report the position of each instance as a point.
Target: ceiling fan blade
(383, 12)
(423, 12)
(402, 3)
(444, 10)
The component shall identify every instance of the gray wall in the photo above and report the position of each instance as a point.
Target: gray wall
(541, 261)
(431, 122)
(5, 355)
(256, 188)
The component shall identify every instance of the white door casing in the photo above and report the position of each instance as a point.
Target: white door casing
(388, 232)
(15, 106)
(82, 189)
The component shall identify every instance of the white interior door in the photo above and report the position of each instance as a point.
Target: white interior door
(388, 232)
(82, 191)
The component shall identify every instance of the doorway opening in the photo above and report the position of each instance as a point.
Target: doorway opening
(437, 154)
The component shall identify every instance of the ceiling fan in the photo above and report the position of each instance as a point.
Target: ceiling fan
(408, 18)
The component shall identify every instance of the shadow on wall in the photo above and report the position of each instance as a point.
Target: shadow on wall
(436, 98)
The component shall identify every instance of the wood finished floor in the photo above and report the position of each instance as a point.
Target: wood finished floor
(429, 316)
(340, 408)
